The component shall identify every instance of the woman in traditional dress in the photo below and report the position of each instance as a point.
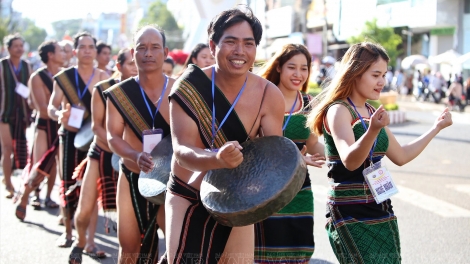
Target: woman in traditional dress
(287, 236)
(361, 224)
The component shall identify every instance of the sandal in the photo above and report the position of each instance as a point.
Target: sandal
(20, 212)
(75, 256)
(36, 203)
(50, 204)
(65, 242)
(95, 252)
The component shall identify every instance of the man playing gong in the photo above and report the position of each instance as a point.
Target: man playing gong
(137, 113)
(72, 91)
(212, 111)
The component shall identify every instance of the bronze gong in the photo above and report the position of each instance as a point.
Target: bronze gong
(270, 176)
(152, 185)
(84, 136)
(115, 161)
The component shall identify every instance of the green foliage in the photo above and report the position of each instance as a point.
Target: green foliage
(159, 14)
(313, 89)
(374, 103)
(3, 30)
(384, 36)
(69, 26)
(32, 34)
(391, 107)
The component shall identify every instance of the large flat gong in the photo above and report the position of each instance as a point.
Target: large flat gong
(270, 176)
(115, 159)
(84, 136)
(152, 185)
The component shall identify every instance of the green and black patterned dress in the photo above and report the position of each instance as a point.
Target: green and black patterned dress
(287, 236)
(359, 229)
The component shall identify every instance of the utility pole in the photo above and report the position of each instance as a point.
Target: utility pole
(409, 34)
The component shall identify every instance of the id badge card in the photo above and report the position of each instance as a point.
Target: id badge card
(380, 182)
(22, 90)
(76, 116)
(150, 138)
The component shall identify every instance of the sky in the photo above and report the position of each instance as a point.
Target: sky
(44, 12)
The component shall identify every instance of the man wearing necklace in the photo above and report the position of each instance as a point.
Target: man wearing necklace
(15, 108)
(45, 140)
(99, 178)
(72, 92)
(137, 112)
(213, 110)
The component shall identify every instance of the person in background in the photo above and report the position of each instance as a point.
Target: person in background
(290, 69)
(103, 56)
(168, 66)
(327, 71)
(455, 95)
(42, 161)
(15, 109)
(200, 56)
(67, 47)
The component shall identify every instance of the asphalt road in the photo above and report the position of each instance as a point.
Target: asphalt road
(432, 205)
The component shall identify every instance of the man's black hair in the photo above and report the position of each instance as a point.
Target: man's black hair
(45, 48)
(8, 40)
(100, 45)
(121, 56)
(230, 17)
(170, 61)
(82, 34)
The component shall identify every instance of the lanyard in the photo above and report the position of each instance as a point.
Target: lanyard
(214, 132)
(365, 128)
(290, 114)
(81, 94)
(159, 99)
(17, 71)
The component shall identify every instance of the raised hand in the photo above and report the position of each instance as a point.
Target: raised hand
(379, 119)
(230, 155)
(444, 120)
(315, 160)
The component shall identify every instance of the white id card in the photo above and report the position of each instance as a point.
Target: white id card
(22, 90)
(151, 138)
(76, 116)
(380, 182)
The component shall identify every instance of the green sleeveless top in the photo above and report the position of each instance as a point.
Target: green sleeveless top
(296, 128)
(330, 149)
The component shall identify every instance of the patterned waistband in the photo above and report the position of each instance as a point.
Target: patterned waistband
(349, 193)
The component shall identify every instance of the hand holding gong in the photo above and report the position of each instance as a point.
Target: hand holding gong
(229, 155)
(144, 161)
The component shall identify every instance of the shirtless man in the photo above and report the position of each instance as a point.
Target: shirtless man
(14, 109)
(40, 84)
(72, 91)
(67, 47)
(98, 167)
(103, 56)
(233, 37)
(136, 107)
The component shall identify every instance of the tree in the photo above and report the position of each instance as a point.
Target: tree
(69, 26)
(385, 36)
(32, 34)
(160, 15)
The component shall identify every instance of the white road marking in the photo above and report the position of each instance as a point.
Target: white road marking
(463, 188)
(429, 203)
(418, 199)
